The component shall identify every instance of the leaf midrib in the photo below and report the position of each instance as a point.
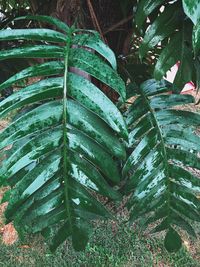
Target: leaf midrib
(163, 149)
(65, 139)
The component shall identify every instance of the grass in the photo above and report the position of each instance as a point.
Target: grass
(109, 247)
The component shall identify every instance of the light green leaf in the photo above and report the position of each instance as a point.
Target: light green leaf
(192, 9)
(32, 34)
(196, 36)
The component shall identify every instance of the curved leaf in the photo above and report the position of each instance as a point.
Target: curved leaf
(145, 8)
(172, 241)
(38, 51)
(45, 69)
(168, 31)
(53, 21)
(196, 37)
(64, 147)
(94, 42)
(90, 63)
(192, 10)
(33, 35)
(169, 56)
(79, 88)
(160, 141)
(155, 34)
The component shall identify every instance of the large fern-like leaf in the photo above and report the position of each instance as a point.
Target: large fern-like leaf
(63, 148)
(164, 148)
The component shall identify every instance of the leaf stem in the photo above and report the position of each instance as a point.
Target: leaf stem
(66, 165)
(162, 147)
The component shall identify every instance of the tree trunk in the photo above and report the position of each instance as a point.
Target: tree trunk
(108, 15)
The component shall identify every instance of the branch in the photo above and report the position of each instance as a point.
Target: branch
(95, 20)
(123, 21)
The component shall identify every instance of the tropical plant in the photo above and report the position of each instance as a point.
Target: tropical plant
(64, 148)
(170, 23)
(69, 147)
(164, 148)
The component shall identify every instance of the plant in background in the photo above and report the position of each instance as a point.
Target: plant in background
(8, 12)
(170, 23)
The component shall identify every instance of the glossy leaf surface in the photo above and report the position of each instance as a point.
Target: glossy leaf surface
(163, 144)
(196, 37)
(64, 148)
(155, 33)
(145, 8)
(192, 10)
(168, 32)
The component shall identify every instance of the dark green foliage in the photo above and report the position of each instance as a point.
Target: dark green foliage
(192, 10)
(69, 145)
(170, 27)
(164, 145)
(64, 148)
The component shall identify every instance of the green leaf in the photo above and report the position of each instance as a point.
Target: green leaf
(66, 141)
(179, 221)
(62, 234)
(45, 69)
(34, 51)
(186, 68)
(190, 159)
(173, 241)
(197, 71)
(160, 137)
(53, 21)
(196, 36)
(94, 42)
(155, 34)
(168, 31)
(192, 9)
(186, 178)
(169, 56)
(145, 8)
(78, 88)
(152, 87)
(33, 35)
(6, 197)
(90, 63)
(167, 101)
(176, 50)
(181, 117)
